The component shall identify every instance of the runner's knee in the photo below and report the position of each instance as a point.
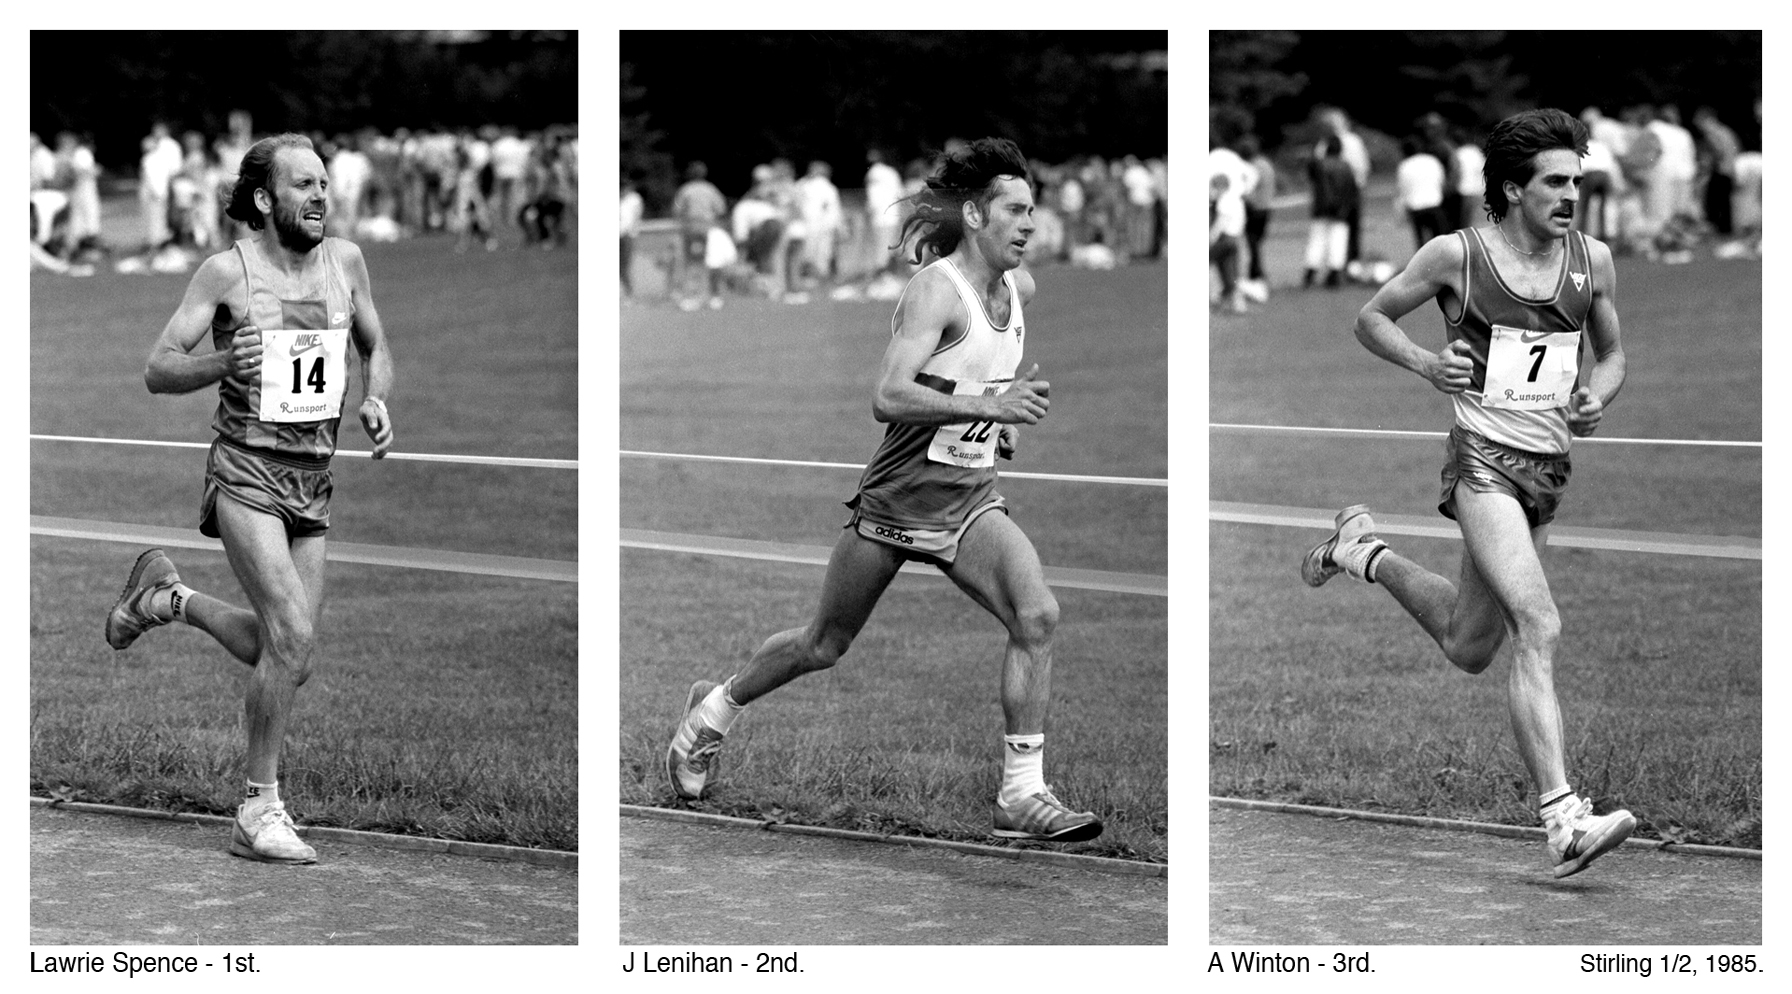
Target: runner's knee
(824, 647)
(290, 644)
(1035, 621)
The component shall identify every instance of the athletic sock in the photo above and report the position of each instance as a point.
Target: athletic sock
(259, 795)
(718, 710)
(169, 604)
(1552, 799)
(1023, 767)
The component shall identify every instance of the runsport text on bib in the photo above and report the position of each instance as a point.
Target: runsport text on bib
(1530, 370)
(303, 373)
(969, 445)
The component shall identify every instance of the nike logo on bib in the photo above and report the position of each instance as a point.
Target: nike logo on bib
(305, 343)
(1532, 336)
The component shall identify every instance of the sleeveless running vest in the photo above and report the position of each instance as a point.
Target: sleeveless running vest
(932, 477)
(1526, 352)
(327, 307)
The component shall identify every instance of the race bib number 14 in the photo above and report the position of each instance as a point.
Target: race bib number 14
(1530, 370)
(303, 373)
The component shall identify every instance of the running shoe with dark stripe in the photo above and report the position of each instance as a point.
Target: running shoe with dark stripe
(1349, 549)
(128, 617)
(1044, 818)
(690, 759)
(1577, 836)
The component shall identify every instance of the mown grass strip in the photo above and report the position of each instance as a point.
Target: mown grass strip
(816, 555)
(343, 552)
(1099, 864)
(1530, 834)
(1610, 539)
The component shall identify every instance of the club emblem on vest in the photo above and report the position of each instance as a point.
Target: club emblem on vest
(1579, 279)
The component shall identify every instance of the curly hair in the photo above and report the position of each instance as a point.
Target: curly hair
(1512, 148)
(256, 174)
(968, 174)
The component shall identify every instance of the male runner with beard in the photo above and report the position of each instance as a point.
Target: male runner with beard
(281, 309)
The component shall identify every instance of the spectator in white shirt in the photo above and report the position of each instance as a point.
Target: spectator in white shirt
(1419, 191)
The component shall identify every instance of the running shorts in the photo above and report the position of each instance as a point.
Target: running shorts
(295, 490)
(939, 547)
(1536, 481)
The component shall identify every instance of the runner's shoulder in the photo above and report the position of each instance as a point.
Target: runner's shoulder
(219, 275)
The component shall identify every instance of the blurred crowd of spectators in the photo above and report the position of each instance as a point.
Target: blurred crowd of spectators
(1651, 188)
(789, 236)
(479, 185)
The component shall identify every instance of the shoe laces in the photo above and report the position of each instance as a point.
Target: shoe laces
(273, 812)
(708, 743)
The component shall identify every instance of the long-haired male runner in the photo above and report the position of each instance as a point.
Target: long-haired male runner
(950, 393)
(1518, 298)
(281, 310)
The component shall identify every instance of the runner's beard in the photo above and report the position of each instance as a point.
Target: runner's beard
(290, 230)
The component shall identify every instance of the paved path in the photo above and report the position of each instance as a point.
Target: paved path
(697, 885)
(1293, 879)
(129, 881)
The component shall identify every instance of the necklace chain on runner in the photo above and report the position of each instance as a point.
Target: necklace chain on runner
(1502, 230)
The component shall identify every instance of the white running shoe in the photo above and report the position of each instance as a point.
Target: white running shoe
(1348, 550)
(1577, 836)
(690, 759)
(1044, 818)
(268, 836)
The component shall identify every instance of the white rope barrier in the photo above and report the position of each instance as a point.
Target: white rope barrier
(400, 456)
(1392, 433)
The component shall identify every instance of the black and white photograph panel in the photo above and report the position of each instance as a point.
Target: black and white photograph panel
(303, 450)
(894, 488)
(1485, 511)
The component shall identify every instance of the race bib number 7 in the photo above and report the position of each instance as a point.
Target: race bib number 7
(303, 373)
(1530, 370)
(971, 445)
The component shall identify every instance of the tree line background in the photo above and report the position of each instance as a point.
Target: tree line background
(115, 84)
(1270, 81)
(737, 99)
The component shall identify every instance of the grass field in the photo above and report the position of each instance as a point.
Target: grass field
(1335, 697)
(442, 704)
(904, 735)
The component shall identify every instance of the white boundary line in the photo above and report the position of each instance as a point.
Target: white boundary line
(401, 456)
(1136, 481)
(1560, 536)
(1392, 433)
(479, 563)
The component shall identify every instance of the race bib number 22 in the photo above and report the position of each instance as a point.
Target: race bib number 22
(303, 373)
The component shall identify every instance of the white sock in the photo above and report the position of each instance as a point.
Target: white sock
(1553, 798)
(718, 710)
(1023, 767)
(170, 604)
(259, 795)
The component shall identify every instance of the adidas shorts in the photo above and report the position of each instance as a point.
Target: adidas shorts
(1536, 481)
(926, 545)
(294, 490)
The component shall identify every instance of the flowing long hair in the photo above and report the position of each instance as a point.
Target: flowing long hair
(256, 174)
(968, 174)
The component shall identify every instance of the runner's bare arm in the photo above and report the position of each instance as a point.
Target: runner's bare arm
(376, 354)
(1437, 266)
(173, 368)
(1587, 406)
(929, 309)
